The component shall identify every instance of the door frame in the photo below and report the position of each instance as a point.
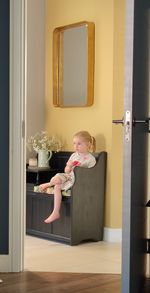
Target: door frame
(17, 133)
(14, 261)
(126, 219)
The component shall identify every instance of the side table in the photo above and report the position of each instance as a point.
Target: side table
(36, 175)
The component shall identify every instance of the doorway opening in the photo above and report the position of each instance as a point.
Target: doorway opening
(35, 92)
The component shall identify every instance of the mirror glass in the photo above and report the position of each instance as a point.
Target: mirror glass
(73, 65)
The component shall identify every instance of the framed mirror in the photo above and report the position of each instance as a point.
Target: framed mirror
(73, 65)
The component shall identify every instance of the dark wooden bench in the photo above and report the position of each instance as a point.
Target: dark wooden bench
(82, 214)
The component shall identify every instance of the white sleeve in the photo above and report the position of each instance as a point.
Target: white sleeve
(92, 161)
(71, 158)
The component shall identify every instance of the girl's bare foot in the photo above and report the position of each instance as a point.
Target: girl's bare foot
(43, 187)
(54, 216)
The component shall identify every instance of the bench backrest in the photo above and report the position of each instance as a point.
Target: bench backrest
(59, 159)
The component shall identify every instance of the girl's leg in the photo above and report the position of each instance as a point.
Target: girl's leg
(57, 203)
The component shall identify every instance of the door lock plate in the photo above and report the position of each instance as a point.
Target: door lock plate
(127, 125)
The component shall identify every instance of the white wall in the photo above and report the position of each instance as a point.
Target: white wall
(35, 67)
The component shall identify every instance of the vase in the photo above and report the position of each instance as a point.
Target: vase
(43, 158)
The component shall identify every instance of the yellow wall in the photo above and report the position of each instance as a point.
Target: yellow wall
(117, 130)
(97, 119)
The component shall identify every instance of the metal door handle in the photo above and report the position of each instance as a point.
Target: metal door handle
(125, 122)
(134, 121)
(146, 121)
(121, 121)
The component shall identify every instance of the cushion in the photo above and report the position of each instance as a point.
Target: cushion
(50, 190)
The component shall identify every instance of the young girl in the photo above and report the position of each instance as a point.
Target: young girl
(84, 144)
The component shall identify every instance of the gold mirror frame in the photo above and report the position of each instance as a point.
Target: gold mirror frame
(86, 95)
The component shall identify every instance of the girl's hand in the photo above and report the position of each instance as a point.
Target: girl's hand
(68, 169)
(76, 163)
(69, 163)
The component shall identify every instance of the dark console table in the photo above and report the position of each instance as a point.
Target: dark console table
(82, 213)
(37, 175)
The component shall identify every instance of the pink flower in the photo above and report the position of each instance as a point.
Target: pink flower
(76, 163)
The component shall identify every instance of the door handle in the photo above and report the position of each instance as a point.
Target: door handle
(125, 122)
(146, 121)
(135, 121)
(121, 121)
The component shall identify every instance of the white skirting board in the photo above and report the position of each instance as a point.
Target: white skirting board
(5, 265)
(112, 235)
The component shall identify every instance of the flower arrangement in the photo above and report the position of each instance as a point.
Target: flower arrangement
(42, 141)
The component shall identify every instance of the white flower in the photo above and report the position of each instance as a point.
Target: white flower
(42, 141)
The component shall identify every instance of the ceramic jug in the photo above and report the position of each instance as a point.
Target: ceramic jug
(43, 158)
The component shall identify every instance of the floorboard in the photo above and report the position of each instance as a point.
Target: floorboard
(46, 282)
(59, 283)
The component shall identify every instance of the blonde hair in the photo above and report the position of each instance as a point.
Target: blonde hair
(88, 138)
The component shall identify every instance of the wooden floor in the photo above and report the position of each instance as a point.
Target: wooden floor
(59, 283)
(40, 282)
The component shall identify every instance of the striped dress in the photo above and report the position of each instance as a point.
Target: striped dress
(77, 159)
